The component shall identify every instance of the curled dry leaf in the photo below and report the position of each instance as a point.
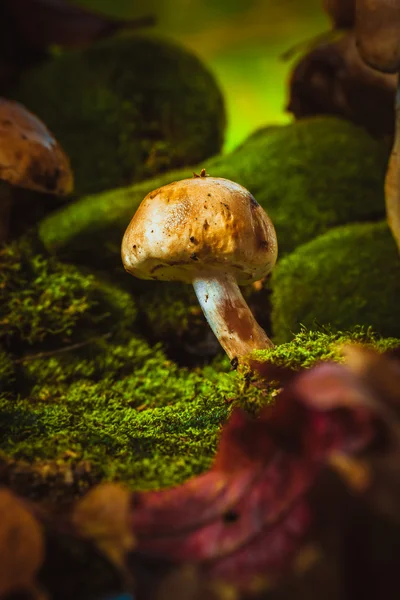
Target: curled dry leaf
(333, 79)
(381, 373)
(47, 22)
(103, 516)
(21, 545)
(247, 521)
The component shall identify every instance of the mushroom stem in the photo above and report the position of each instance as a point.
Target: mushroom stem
(5, 210)
(229, 316)
(392, 181)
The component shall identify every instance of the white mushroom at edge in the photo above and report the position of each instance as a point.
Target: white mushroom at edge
(212, 233)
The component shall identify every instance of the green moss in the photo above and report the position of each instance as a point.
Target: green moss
(170, 311)
(127, 413)
(348, 276)
(130, 412)
(45, 302)
(127, 108)
(311, 346)
(309, 176)
(7, 371)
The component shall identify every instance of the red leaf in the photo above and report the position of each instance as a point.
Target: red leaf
(249, 515)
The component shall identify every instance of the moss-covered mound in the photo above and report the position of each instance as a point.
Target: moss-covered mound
(45, 303)
(309, 176)
(348, 276)
(127, 108)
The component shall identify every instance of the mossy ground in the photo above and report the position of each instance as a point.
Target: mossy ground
(310, 346)
(127, 108)
(115, 407)
(348, 276)
(89, 394)
(80, 386)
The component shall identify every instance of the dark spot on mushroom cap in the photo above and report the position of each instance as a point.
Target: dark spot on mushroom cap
(264, 244)
(7, 122)
(194, 256)
(156, 268)
(253, 202)
(46, 179)
(193, 239)
(134, 246)
(154, 193)
(206, 225)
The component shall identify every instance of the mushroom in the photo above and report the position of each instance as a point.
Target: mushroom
(333, 79)
(30, 157)
(212, 233)
(377, 30)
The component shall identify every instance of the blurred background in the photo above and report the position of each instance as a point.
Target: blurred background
(242, 41)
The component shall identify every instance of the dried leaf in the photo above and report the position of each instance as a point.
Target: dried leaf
(21, 545)
(102, 516)
(245, 521)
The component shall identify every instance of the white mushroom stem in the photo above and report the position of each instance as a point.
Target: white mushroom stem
(392, 182)
(229, 316)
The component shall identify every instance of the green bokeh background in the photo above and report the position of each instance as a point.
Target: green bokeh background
(242, 41)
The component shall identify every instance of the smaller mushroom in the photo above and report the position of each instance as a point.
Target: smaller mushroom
(30, 157)
(377, 31)
(212, 233)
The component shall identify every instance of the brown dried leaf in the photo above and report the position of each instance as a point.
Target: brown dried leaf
(103, 516)
(21, 545)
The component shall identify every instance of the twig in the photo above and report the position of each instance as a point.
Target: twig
(40, 355)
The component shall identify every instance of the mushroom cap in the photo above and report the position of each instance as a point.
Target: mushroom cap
(30, 156)
(377, 30)
(199, 227)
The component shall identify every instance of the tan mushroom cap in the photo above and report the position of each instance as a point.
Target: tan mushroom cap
(30, 157)
(198, 226)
